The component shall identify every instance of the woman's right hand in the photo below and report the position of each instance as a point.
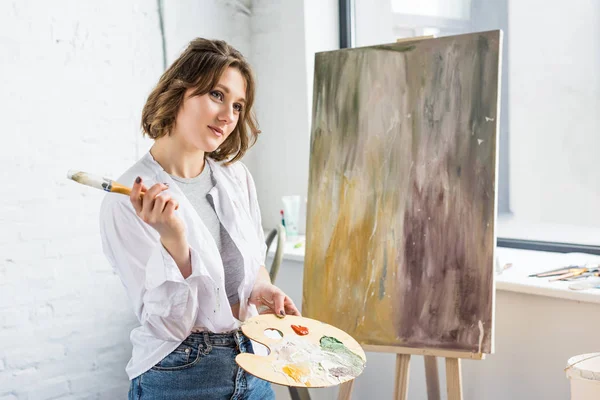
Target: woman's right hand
(157, 210)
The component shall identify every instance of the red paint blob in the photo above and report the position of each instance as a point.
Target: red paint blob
(300, 330)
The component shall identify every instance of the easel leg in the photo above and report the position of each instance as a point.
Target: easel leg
(345, 392)
(453, 379)
(432, 378)
(402, 370)
(299, 393)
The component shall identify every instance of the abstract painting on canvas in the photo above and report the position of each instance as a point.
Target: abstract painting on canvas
(402, 192)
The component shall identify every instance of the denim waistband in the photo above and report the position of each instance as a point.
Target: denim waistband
(226, 339)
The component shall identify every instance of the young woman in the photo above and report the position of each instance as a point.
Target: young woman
(188, 244)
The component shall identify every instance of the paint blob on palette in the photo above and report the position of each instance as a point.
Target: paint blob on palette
(310, 364)
(309, 353)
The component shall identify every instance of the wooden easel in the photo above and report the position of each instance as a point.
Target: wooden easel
(403, 354)
(453, 371)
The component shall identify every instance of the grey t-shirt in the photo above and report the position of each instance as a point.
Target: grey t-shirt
(196, 190)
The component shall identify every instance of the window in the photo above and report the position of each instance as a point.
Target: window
(549, 167)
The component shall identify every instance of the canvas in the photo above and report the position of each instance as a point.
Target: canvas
(402, 192)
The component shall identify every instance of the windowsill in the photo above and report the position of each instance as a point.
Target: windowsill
(509, 226)
(527, 262)
(513, 279)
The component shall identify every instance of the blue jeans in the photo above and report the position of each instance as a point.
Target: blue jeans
(202, 367)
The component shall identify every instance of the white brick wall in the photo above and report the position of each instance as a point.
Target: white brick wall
(74, 76)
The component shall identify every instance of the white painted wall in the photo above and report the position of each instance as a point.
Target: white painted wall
(279, 161)
(321, 29)
(75, 75)
(227, 20)
(285, 36)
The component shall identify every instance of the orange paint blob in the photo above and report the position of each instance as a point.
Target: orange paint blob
(300, 330)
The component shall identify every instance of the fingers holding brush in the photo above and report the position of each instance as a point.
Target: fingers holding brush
(157, 209)
(170, 207)
(153, 203)
(136, 195)
(164, 207)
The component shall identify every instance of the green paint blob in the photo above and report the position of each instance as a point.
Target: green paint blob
(331, 343)
(350, 363)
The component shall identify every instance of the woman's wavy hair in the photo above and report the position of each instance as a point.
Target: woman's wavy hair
(200, 67)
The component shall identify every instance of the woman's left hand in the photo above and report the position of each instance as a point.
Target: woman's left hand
(271, 300)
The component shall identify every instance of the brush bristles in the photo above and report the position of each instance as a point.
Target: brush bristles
(84, 178)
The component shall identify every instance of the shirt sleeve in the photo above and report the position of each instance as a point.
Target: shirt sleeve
(254, 210)
(164, 302)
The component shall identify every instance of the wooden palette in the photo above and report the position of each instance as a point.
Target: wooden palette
(301, 361)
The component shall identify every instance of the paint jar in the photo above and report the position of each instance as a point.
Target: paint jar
(584, 373)
(291, 213)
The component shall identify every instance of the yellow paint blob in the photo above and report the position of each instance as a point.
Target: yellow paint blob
(297, 372)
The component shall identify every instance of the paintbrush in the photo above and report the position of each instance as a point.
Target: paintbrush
(99, 182)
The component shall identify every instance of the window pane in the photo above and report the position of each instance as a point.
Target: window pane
(457, 9)
(554, 126)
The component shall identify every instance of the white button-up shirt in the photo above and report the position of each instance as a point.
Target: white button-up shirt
(167, 305)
